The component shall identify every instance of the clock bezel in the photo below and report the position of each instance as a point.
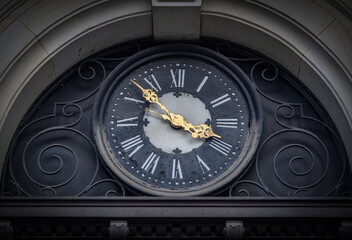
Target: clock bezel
(185, 50)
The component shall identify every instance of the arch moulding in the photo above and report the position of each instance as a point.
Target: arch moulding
(40, 40)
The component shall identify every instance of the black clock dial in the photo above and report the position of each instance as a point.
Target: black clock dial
(150, 154)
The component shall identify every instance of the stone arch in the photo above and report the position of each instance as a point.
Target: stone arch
(40, 40)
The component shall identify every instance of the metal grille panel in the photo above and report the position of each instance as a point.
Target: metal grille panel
(53, 152)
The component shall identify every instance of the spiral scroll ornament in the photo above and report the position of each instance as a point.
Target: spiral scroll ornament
(300, 153)
(52, 162)
(292, 160)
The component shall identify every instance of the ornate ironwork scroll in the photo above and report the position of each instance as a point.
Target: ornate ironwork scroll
(300, 153)
(53, 152)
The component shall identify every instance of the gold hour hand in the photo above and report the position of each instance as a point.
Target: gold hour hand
(201, 130)
(206, 131)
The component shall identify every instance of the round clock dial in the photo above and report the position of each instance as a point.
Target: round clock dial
(141, 140)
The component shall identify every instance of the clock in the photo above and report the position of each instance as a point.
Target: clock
(177, 120)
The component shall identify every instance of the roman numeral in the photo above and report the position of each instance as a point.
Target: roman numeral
(151, 163)
(134, 143)
(157, 87)
(134, 100)
(227, 123)
(220, 146)
(220, 100)
(178, 77)
(203, 166)
(128, 122)
(202, 83)
(176, 169)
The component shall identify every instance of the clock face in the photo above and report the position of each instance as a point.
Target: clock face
(153, 155)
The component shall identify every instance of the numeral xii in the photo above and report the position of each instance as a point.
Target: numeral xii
(178, 77)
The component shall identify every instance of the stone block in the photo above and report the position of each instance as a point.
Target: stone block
(12, 41)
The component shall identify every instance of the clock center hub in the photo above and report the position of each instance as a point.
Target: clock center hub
(164, 136)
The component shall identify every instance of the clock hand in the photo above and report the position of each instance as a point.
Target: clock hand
(176, 120)
(164, 116)
(151, 97)
(148, 94)
(201, 130)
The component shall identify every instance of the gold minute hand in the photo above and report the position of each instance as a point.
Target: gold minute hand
(178, 121)
(151, 97)
(148, 94)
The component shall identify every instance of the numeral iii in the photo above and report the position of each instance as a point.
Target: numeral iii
(227, 122)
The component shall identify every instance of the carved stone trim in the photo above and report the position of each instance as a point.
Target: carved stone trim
(176, 19)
